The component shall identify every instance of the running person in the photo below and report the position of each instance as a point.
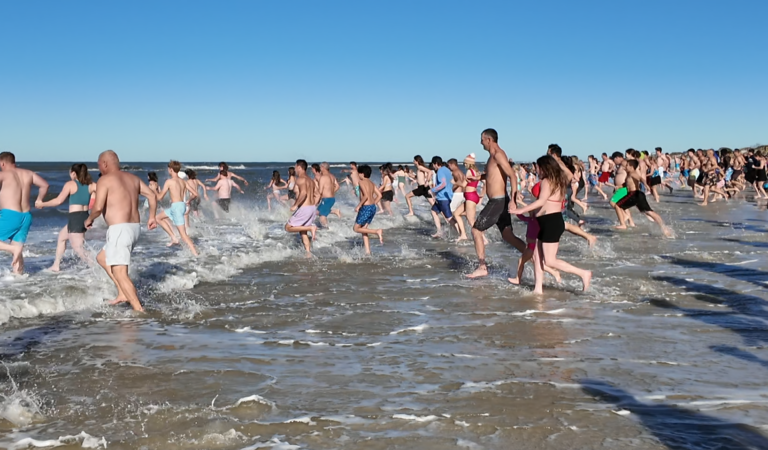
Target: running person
(78, 190)
(304, 210)
(15, 218)
(194, 185)
(422, 190)
(635, 197)
(177, 188)
(366, 209)
(328, 186)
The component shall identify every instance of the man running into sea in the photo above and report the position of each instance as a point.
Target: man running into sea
(15, 218)
(328, 186)
(175, 214)
(304, 210)
(117, 197)
(366, 209)
(224, 166)
(497, 173)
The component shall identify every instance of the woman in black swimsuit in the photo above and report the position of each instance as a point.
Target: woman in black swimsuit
(551, 225)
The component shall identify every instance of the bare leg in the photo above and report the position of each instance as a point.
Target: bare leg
(549, 250)
(120, 273)
(436, 218)
(17, 261)
(324, 221)
(569, 227)
(365, 231)
(657, 218)
(482, 269)
(61, 247)
(101, 258)
(515, 241)
(185, 237)
(165, 223)
(77, 241)
(408, 201)
(459, 222)
(524, 258)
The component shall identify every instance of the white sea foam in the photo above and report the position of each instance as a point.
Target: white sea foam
(85, 440)
(413, 418)
(275, 443)
(417, 328)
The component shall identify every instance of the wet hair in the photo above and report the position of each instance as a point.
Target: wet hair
(275, 176)
(302, 163)
(437, 161)
(8, 157)
(549, 169)
(81, 173)
(419, 160)
(191, 174)
(491, 133)
(291, 172)
(555, 149)
(316, 167)
(174, 165)
(365, 169)
(152, 176)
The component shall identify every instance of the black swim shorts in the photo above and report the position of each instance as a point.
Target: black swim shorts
(496, 212)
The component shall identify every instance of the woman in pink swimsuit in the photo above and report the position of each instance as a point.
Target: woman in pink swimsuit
(470, 192)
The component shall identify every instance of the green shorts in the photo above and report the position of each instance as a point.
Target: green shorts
(621, 193)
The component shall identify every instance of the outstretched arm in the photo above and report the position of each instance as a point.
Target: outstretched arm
(66, 191)
(245, 182)
(42, 186)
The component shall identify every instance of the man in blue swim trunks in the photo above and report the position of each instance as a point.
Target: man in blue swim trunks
(366, 209)
(328, 186)
(15, 218)
(175, 214)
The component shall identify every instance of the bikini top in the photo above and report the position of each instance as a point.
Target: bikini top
(82, 196)
(473, 184)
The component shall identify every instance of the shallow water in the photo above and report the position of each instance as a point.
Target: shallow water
(253, 346)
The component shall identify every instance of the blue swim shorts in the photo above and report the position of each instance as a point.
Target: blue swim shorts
(365, 215)
(14, 225)
(325, 206)
(176, 213)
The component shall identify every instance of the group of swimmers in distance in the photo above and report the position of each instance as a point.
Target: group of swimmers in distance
(555, 182)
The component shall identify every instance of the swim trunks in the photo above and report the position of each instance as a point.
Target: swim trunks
(443, 206)
(14, 225)
(325, 206)
(422, 191)
(388, 196)
(76, 222)
(621, 193)
(496, 212)
(194, 204)
(224, 203)
(357, 191)
(176, 213)
(291, 195)
(592, 179)
(635, 198)
(551, 227)
(604, 177)
(456, 201)
(121, 239)
(365, 215)
(655, 181)
(303, 217)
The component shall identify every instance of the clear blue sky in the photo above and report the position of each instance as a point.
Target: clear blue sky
(377, 80)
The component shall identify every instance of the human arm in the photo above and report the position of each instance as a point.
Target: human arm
(42, 186)
(193, 193)
(544, 193)
(205, 191)
(162, 193)
(66, 191)
(98, 204)
(151, 197)
(237, 186)
(301, 197)
(213, 180)
(245, 182)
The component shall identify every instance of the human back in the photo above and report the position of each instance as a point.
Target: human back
(122, 197)
(16, 185)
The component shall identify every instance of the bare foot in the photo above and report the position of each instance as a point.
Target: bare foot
(308, 255)
(592, 240)
(632, 225)
(556, 274)
(515, 281)
(381, 236)
(54, 269)
(702, 204)
(314, 232)
(172, 243)
(620, 227)
(17, 263)
(480, 272)
(587, 280)
(538, 292)
(118, 300)
(437, 235)
(667, 232)
(410, 214)
(462, 238)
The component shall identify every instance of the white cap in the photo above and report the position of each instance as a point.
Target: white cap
(183, 175)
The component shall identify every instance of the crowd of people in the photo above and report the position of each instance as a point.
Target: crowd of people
(557, 184)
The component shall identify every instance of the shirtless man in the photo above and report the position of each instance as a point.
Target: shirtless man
(423, 178)
(366, 209)
(175, 214)
(710, 169)
(606, 170)
(621, 190)
(328, 186)
(635, 197)
(304, 210)
(117, 197)
(223, 190)
(593, 179)
(230, 175)
(15, 218)
(497, 173)
(354, 177)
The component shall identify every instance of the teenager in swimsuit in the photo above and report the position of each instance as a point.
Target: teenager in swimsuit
(551, 225)
(277, 185)
(387, 194)
(78, 190)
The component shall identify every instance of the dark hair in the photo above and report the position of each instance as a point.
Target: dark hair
(645, 152)
(617, 155)
(491, 133)
(419, 160)
(224, 165)
(400, 167)
(605, 154)
(191, 174)
(658, 149)
(365, 169)
(291, 172)
(316, 167)
(633, 163)
(453, 161)
(555, 149)
(353, 164)
(81, 173)
(275, 176)
(223, 173)
(549, 169)
(152, 176)
(8, 157)
(302, 163)
(437, 161)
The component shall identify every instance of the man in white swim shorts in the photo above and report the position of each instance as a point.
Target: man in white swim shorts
(117, 196)
(304, 210)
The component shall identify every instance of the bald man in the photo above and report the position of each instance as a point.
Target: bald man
(117, 197)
